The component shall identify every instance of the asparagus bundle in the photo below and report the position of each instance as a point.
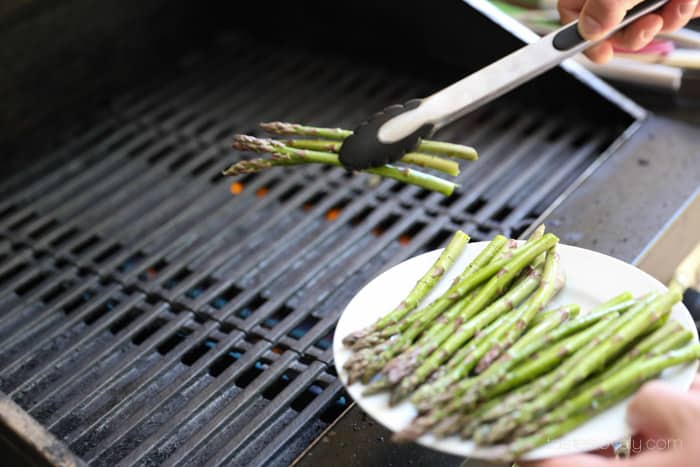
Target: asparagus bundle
(429, 154)
(485, 360)
(421, 289)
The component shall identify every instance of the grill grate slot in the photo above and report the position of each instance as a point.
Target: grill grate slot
(153, 312)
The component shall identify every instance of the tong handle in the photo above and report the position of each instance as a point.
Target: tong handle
(496, 79)
(568, 39)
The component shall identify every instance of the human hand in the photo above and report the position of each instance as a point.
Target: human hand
(667, 422)
(598, 17)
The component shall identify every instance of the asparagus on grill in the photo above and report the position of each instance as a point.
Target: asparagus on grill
(305, 151)
(433, 147)
(285, 155)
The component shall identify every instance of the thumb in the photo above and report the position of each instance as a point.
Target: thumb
(661, 411)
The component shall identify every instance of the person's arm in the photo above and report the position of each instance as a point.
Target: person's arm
(668, 425)
(597, 17)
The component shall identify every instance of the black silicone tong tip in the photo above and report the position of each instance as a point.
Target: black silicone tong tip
(363, 150)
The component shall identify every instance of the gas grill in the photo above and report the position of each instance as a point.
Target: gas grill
(149, 316)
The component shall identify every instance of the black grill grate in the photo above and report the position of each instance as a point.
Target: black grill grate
(147, 315)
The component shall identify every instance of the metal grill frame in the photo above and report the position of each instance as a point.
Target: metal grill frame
(145, 254)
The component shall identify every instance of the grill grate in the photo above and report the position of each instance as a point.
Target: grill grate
(147, 315)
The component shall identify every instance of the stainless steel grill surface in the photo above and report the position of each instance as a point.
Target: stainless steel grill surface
(147, 315)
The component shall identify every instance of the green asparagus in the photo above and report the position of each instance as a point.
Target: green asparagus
(424, 285)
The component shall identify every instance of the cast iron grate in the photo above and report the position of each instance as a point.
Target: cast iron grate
(121, 377)
(147, 315)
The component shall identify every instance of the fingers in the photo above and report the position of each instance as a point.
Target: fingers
(640, 33)
(677, 13)
(569, 10)
(695, 386)
(598, 17)
(600, 53)
(659, 410)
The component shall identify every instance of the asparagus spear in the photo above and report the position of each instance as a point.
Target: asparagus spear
(454, 293)
(594, 356)
(461, 360)
(424, 285)
(668, 337)
(463, 332)
(466, 331)
(527, 347)
(506, 252)
(635, 374)
(542, 297)
(545, 361)
(588, 319)
(539, 330)
(415, 158)
(405, 339)
(557, 430)
(455, 369)
(442, 330)
(516, 354)
(447, 392)
(618, 303)
(580, 409)
(290, 156)
(338, 134)
(358, 362)
(550, 358)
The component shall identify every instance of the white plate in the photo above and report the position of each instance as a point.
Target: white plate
(592, 278)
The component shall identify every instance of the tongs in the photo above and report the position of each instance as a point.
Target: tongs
(386, 136)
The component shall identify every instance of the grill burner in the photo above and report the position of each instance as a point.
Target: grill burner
(147, 315)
